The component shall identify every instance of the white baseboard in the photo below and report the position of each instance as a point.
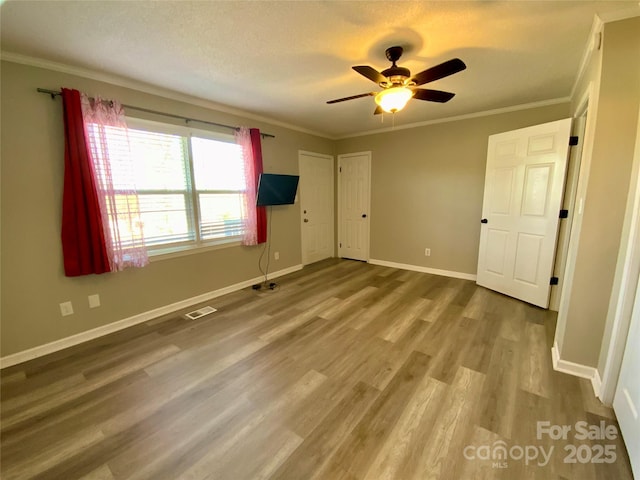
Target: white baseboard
(82, 337)
(596, 383)
(418, 268)
(576, 369)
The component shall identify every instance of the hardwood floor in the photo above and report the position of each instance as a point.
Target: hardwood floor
(346, 371)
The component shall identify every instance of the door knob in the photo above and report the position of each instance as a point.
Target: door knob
(306, 220)
(364, 215)
(484, 220)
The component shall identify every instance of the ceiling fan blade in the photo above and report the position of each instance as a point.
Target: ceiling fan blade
(445, 69)
(432, 95)
(351, 97)
(371, 73)
(378, 110)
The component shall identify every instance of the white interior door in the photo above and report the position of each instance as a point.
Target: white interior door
(626, 402)
(523, 190)
(354, 190)
(316, 206)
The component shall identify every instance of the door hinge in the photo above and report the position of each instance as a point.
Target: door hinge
(564, 213)
(340, 244)
(340, 169)
(573, 141)
(554, 281)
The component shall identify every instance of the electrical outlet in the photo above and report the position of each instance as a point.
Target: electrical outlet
(427, 252)
(94, 301)
(66, 308)
(276, 255)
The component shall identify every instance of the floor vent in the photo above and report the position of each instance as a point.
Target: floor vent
(200, 313)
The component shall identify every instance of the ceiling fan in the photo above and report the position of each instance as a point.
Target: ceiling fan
(398, 84)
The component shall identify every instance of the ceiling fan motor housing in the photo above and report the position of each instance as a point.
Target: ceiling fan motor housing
(397, 75)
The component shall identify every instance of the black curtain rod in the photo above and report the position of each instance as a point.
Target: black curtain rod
(55, 94)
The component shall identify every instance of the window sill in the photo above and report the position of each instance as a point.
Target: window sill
(184, 250)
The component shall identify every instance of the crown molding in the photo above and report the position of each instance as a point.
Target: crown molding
(466, 116)
(147, 88)
(622, 14)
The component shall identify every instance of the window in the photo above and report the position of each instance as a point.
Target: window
(189, 184)
(219, 177)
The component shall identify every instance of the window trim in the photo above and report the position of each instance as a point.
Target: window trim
(137, 123)
(185, 250)
(198, 245)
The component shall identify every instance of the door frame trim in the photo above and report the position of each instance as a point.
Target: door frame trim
(330, 158)
(570, 194)
(339, 206)
(588, 101)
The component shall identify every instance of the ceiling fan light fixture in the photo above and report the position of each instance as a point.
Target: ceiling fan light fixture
(393, 99)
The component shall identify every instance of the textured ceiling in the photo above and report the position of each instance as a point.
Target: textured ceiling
(283, 60)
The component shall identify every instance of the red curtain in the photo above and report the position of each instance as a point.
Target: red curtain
(261, 212)
(83, 240)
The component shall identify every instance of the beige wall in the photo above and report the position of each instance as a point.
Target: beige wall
(33, 283)
(606, 190)
(427, 185)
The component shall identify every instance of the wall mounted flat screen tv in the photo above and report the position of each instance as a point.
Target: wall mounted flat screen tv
(274, 189)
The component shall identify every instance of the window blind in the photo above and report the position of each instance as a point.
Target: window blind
(189, 188)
